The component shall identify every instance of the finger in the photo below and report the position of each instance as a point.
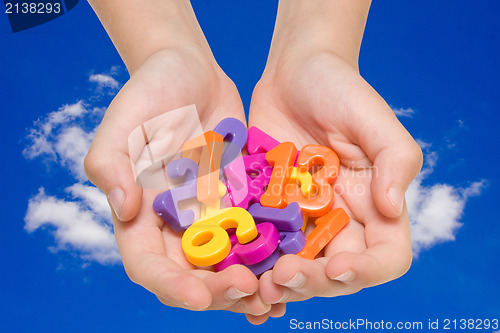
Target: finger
(303, 277)
(257, 320)
(278, 310)
(110, 170)
(252, 305)
(395, 168)
(350, 239)
(374, 266)
(171, 284)
(396, 156)
(120, 136)
(108, 164)
(235, 284)
(387, 257)
(144, 258)
(270, 292)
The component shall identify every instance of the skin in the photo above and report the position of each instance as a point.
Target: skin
(165, 74)
(310, 92)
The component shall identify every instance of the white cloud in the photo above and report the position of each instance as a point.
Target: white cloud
(72, 144)
(104, 81)
(42, 134)
(75, 224)
(80, 219)
(60, 137)
(401, 112)
(93, 198)
(66, 113)
(435, 210)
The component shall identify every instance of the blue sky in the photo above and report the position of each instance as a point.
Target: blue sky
(435, 63)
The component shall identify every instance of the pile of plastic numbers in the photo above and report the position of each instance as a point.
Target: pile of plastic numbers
(269, 194)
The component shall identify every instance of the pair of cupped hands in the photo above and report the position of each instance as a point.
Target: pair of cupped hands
(308, 97)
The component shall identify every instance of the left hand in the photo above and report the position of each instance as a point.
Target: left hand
(317, 97)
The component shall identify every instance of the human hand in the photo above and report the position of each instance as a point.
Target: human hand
(150, 250)
(182, 73)
(310, 93)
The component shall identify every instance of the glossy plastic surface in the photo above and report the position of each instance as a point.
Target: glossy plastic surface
(289, 218)
(166, 203)
(316, 156)
(281, 158)
(327, 227)
(206, 241)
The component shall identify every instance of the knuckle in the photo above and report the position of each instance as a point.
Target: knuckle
(416, 155)
(411, 154)
(132, 272)
(93, 164)
(259, 310)
(90, 162)
(131, 275)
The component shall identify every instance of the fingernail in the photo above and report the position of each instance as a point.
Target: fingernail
(285, 296)
(345, 277)
(234, 294)
(296, 282)
(116, 199)
(397, 197)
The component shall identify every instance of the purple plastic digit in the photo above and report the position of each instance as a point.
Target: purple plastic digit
(289, 218)
(254, 252)
(255, 178)
(261, 247)
(232, 258)
(166, 203)
(292, 242)
(265, 264)
(259, 142)
(235, 133)
(237, 182)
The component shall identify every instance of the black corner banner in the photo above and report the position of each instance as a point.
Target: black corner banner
(26, 14)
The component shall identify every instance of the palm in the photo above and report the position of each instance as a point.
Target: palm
(150, 250)
(318, 101)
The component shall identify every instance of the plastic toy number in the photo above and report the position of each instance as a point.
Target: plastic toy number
(235, 134)
(281, 158)
(246, 186)
(206, 241)
(304, 178)
(315, 156)
(327, 227)
(272, 193)
(166, 204)
(285, 219)
(259, 142)
(206, 150)
(259, 255)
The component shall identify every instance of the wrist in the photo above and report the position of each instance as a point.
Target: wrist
(140, 29)
(307, 27)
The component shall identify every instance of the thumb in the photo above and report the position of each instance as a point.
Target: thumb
(111, 171)
(397, 158)
(395, 167)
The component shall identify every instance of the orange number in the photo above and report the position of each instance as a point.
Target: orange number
(281, 158)
(313, 156)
